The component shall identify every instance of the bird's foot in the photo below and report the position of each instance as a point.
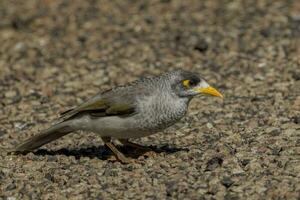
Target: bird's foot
(126, 142)
(147, 151)
(119, 156)
(123, 159)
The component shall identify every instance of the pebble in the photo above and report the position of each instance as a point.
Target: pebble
(273, 131)
(227, 182)
(20, 125)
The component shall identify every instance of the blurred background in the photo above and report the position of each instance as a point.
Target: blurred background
(56, 53)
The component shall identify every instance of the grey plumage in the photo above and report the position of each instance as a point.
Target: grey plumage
(54, 132)
(137, 109)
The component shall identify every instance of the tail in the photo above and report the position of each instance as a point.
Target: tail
(46, 136)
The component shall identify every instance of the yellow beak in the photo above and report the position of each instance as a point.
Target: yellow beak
(211, 91)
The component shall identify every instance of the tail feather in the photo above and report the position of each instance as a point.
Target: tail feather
(46, 136)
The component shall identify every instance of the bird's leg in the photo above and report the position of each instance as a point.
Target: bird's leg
(120, 156)
(134, 145)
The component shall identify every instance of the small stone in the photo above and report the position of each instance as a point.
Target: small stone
(227, 182)
(277, 150)
(111, 172)
(20, 125)
(289, 132)
(2, 132)
(11, 186)
(296, 119)
(230, 196)
(209, 125)
(245, 162)
(201, 46)
(49, 177)
(273, 131)
(20, 46)
(51, 158)
(214, 163)
(2, 175)
(10, 94)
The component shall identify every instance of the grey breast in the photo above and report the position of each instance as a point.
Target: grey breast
(160, 110)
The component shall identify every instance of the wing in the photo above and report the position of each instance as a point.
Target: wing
(118, 101)
(113, 102)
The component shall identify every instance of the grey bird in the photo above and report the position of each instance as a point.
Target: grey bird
(140, 108)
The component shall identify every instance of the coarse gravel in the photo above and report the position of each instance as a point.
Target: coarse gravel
(56, 53)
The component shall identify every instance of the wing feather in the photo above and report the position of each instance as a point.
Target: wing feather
(101, 106)
(117, 101)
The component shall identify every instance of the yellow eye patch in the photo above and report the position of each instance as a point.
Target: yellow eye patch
(186, 83)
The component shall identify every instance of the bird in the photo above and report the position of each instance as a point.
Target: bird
(137, 109)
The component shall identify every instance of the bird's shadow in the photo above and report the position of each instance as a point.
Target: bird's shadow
(103, 153)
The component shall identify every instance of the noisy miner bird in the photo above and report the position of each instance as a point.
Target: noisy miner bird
(141, 108)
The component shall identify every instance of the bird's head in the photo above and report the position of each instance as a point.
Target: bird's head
(189, 84)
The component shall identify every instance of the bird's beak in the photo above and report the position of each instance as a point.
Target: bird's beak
(210, 91)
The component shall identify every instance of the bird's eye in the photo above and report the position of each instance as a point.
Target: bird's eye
(186, 83)
(189, 83)
(193, 83)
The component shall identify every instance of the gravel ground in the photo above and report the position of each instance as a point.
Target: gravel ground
(54, 54)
